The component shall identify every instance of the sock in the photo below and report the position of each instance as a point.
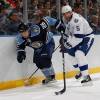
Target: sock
(84, 70)
(48, 71)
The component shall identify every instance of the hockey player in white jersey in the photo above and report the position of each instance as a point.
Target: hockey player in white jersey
(78, 39)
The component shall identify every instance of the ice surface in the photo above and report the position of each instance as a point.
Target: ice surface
(74, 91)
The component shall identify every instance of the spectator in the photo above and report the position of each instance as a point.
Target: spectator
(78, 1)
(19, 5)
(94, 22)
(48, 8)
(34, 4)
(64, 2)
(78, 8)
(53, 11)
(12, 23)
(3, 16)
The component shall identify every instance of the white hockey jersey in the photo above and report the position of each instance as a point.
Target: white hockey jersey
(76, 29)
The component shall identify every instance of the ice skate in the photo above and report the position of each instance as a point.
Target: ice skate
(49, 79)
(87, 81)
(78, 76)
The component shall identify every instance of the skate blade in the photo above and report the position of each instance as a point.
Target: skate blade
(53, 85)
(79, 79)
(51, 82)
(87, 84)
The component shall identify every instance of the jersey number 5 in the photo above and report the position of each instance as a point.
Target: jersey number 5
(77, 28)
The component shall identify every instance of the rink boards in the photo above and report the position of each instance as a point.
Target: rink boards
(12, 73)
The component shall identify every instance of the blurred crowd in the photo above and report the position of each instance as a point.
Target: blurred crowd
(10, 16)
(11, 12)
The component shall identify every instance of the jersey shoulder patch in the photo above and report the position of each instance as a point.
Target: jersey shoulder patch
(19, 39)
(76, 20)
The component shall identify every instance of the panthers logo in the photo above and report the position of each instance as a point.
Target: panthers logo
(37, 44)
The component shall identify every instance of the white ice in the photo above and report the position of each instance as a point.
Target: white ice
(74, 91)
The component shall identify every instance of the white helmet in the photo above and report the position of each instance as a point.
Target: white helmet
(66, 8)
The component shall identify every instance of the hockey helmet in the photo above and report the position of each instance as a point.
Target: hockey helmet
(22, 27)
(66, 8)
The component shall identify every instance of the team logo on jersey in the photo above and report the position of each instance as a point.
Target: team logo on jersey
(36, 44)
(76, 20)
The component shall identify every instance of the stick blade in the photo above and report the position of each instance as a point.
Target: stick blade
(60, 92)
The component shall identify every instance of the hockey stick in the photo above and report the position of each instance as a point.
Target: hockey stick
(33, 73)
(64, 79)
(56, 48)
(27, 81)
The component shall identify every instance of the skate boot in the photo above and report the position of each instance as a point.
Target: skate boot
(78, 76)
(49, 79)
(86, 81)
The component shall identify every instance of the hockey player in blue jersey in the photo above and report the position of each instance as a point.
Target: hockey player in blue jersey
(41, 40)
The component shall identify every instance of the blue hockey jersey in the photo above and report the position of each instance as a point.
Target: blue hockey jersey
(38, 33)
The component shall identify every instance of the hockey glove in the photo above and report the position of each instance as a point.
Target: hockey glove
(64, 45)
(60, 26)
(21, 55)
(62, 48)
